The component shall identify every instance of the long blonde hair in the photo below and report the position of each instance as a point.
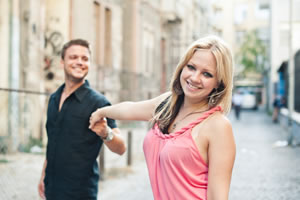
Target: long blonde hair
(169, 108)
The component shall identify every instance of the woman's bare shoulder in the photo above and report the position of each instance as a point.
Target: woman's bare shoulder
(218, 125)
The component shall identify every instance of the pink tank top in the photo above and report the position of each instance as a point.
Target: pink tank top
(176, 168)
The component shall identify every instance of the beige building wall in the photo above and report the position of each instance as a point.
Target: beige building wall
(281, 35)
(31, 70)
(182, 23)
(232, 19)
(57, 32)
(149, 51)
(4, 56)
(127, 54)
(281, 32)
(102, 27)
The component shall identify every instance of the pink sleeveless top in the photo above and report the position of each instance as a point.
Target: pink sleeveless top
(176, 168)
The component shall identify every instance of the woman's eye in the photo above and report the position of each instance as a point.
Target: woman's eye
(208, 74)
(191, 67)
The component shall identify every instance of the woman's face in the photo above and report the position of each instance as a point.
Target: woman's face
(199, 77)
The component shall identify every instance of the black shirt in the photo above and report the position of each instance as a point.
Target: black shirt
(72, 150)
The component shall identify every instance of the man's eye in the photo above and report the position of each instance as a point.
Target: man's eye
(73, 57)
(191, 67)
(208, 74)
(85, 59)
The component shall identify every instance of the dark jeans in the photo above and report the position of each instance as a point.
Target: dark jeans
(237, 111)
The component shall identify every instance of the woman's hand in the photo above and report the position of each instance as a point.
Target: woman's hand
(95, 117)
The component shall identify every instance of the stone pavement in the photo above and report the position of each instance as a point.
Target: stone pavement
(262, 171)
(19, 176)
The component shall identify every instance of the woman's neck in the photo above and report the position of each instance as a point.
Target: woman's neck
(189, 106)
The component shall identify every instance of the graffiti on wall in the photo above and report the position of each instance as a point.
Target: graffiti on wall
(53, 44)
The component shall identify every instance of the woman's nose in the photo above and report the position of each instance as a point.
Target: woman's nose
(196, 77)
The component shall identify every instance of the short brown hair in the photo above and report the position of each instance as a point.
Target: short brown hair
(79, 42)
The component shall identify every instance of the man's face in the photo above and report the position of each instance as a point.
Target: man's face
(76, 63)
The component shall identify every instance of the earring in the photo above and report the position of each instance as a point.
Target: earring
(213, 98)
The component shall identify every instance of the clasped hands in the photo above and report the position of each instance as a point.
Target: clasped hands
(98, 124)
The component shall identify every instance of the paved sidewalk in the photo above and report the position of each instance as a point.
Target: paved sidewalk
(19, 177)
(133, 185)
(123, 182)
(263, 170)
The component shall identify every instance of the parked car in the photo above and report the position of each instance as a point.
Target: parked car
(249, 100)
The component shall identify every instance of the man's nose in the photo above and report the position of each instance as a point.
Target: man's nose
(79, 61)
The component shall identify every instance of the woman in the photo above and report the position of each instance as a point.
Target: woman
(190, 149)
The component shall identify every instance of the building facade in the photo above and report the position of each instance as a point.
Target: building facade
(136, 45)
(285, 63)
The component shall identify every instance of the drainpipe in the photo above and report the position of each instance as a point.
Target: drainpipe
(13, 100)
(291, 77)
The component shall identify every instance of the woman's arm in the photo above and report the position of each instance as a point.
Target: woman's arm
(138, 111)
(221, 156)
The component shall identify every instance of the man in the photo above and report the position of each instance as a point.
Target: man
(237, 100)
(70, 169)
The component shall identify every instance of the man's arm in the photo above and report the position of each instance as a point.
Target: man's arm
(41, 186)
(117, 144)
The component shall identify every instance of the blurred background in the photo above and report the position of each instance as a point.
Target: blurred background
(136, 45)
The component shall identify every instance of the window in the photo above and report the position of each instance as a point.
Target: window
(148, 52)
(107, 38)
(262, 10)
(97, 14)
(239, 36)
(240, 13)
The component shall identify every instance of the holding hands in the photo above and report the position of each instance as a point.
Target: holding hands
(111, 137)
(98, 124)
(95, 118)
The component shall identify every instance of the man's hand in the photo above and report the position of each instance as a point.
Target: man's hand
(95, 118)
(41, 188)
(100, 127)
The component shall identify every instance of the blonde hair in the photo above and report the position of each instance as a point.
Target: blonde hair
(169, 108)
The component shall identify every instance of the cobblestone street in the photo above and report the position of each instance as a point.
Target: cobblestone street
(262, 169)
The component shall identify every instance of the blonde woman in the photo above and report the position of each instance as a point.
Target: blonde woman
(190, 149)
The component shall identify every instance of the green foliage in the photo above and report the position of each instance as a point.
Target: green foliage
(252, 53)
(3, 160)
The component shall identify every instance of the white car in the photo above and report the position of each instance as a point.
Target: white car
(249, 101)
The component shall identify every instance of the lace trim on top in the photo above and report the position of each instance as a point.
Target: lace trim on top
(185, 128)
